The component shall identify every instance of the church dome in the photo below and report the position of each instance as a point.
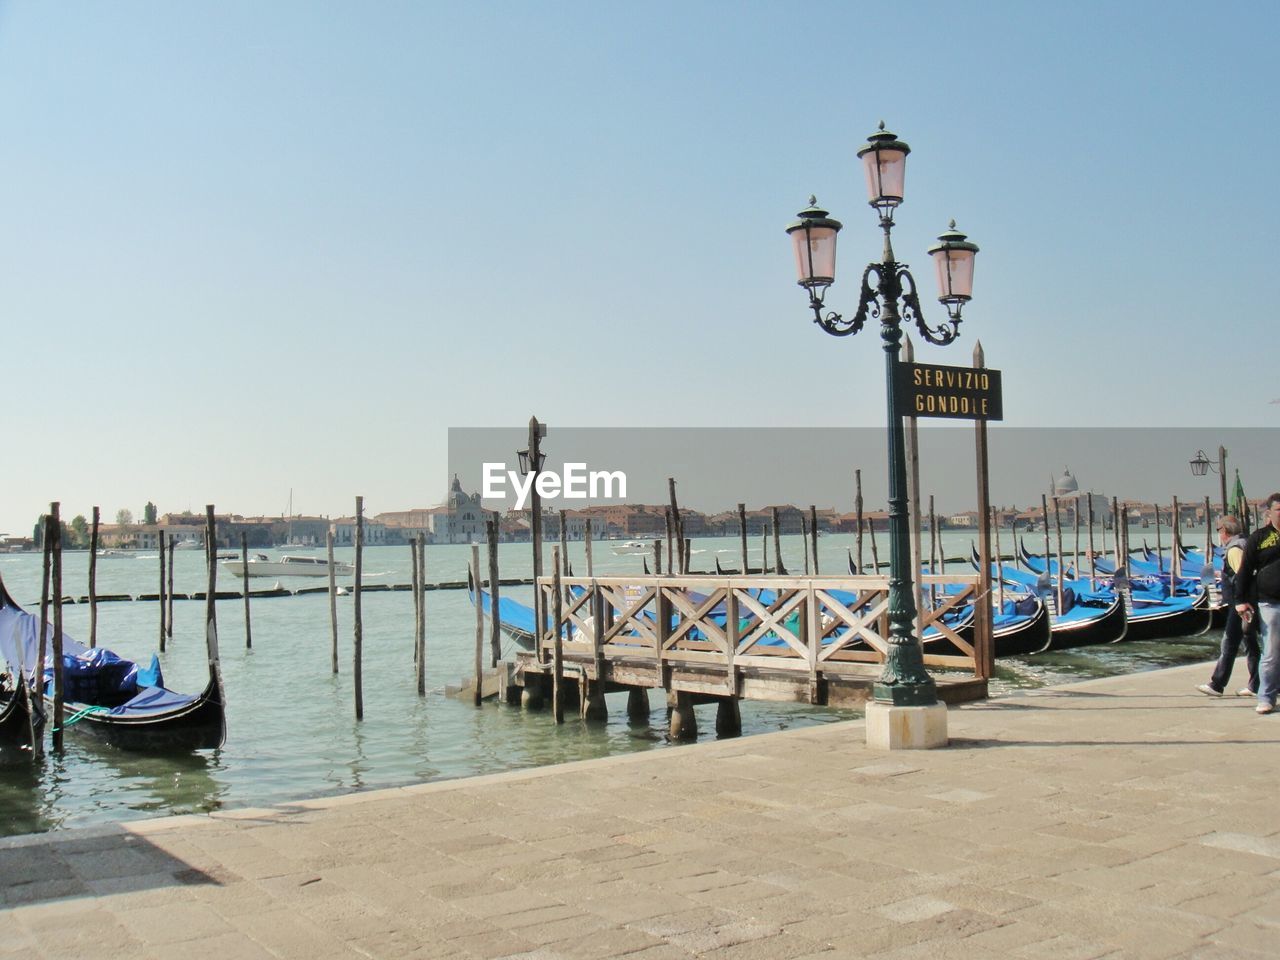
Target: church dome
(1065, 484)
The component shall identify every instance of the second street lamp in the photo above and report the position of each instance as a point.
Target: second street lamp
(888, 294)
(1200, 465)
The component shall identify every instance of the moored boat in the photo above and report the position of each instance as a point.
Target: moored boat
(287, 566)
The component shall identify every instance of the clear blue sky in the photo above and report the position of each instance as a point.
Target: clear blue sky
(249, 247)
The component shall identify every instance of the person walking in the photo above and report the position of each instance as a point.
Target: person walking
(1258, 597)
(1234, 633)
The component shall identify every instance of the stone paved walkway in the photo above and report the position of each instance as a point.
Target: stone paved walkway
(1128, 817)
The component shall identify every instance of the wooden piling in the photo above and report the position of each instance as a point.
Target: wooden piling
(333, 600)
(248, 620)
(415, 580)
(638, 705)
(657, 558)
(1115, 530)
(1159, 544)
(477, 699)
(1174, 543)
(161, 593)
(875, 551)
(777, 545)
(813, 535)
(594, 708)
(1093, 560)
(671, 536)
(169, 592)
(1208, 533)
(933, 553)
(999, 558)
(683, 724)
(984, 648)
(58, 672)
(857, 507)
(564, 545)
(728, 717)
(37, 745)
(557, 646)
(742, 533)
(1062, 566)
(495, 618)
(678, 528)
(358, 645)
(93, 581)
(804, 540)
(1075, 552)
(764, 546)
(210, 607)
(591, 570)
(421, 641)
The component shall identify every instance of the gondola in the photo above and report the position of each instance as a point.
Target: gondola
(1154, 610)
(112, 698)
(1087, 618)
(1020, 625)
(15, 705)
(516, 620)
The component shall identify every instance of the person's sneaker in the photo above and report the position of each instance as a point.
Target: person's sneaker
(1265, 707)
(1246, 692)
(1208, 691)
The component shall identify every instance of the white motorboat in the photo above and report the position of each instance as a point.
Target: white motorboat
(632, 546)
(287, 566)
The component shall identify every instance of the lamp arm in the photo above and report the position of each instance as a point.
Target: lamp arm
(868, 306)
(911, 312)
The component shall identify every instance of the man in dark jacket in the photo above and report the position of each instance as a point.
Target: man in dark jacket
(1258, 597)
(1234, 633)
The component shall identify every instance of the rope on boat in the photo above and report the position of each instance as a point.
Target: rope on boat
(81, 714)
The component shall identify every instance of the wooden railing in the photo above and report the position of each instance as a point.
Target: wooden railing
(819, 626)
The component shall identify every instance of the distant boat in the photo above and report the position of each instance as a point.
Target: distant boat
(287, 566)
(632, 546)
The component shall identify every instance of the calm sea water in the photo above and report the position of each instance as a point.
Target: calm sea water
(291, 731)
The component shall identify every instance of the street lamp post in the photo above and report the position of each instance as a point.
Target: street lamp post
(904, 680)
(1200, 465)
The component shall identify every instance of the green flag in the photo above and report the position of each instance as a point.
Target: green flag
(1239, 505)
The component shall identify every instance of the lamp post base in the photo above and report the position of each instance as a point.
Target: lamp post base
(891, 727)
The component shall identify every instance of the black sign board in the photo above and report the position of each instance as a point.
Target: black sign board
(958, 393)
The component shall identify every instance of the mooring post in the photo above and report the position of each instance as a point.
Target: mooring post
(416, 586)
(1175, 542)
(813, 534)
(857, 507)
(638, 705)
(728, 717)
(984, 652)
(657, 558)
(1062, 566)
(804, 540)
(875, 551)
(93, 582)
(779, 566)
(1115, 529)
(742, 530)
(671, 536)
(244, 559)
(169, 592)
(594, 709)
(591, 570)
(564, 544)
(210, 602)
(1159, 544)
(1093, 560)
(358, 645)
(933, 552)
(477, 580)
(764, 547)
(420, 642)
(678, 530)
(58, 672)
(557, 644)
(495, 618)
(41, 648)
(333, 600)
(160, 595)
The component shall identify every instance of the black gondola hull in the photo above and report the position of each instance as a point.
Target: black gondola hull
(1111, 627)
(199, 725)
(1192, 622)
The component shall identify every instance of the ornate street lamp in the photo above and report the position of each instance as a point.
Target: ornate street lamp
(889, 295)
(1200, 465)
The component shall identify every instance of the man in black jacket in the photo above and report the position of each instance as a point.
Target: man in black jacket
(1258, 596)
(1234, 633)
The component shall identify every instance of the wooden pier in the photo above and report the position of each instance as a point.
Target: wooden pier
(818, 640)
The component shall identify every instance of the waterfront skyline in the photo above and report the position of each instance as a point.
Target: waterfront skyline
(255, 248)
